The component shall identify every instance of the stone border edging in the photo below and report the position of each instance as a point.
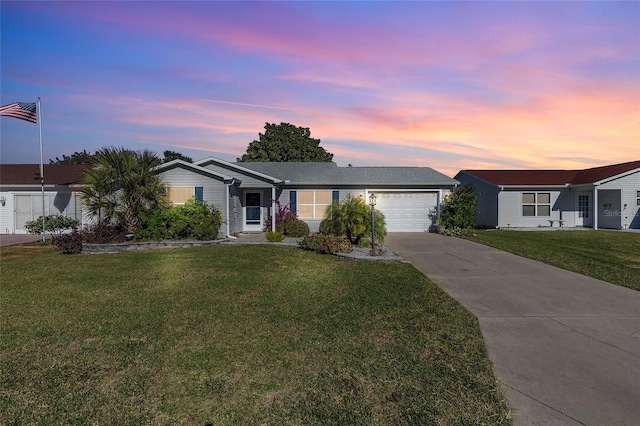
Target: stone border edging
(146, 245)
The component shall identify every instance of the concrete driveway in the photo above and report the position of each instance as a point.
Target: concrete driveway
(565, 347)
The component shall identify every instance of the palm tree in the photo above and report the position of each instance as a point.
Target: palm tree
(123, 186)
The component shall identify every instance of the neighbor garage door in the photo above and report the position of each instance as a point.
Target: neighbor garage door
(407, 211)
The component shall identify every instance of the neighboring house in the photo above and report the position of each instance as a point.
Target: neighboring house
(246, 193)
(21, 193)
(600, 197)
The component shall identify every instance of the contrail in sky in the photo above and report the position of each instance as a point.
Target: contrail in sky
(248, 105)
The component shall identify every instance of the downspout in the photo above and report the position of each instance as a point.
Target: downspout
(227, 204)
(273, 208)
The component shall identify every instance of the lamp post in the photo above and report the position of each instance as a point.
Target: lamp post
(372, 203)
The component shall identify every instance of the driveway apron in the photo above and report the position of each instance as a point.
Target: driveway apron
(564, 347)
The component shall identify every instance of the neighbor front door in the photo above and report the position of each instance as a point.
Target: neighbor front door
(253, 211)
(584, 209)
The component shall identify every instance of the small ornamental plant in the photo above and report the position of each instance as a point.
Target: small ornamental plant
(284, 215)
(274, 236)
(326, 244)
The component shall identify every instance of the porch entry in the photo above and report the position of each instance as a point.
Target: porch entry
(584, 212)
(252, 211)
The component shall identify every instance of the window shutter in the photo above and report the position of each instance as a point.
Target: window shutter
(293, 201)
(199, 193)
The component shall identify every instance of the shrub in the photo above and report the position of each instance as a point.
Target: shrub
(296, 228)
(284, 215)
(69, 243)
(103, 232)
(274, 236)
(193, 220)
(326, 244)
(459, 208)
(54, 224)
(327, 226)
(353, 219)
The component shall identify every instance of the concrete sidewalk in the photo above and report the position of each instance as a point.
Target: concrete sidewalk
(565, 347)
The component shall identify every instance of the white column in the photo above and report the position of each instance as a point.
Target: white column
(595, 207)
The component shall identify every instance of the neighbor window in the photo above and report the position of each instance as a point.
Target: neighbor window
(637, 198)
(536, 204)
(179, 195)
(312, 205)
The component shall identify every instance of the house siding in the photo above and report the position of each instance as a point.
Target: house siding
(246, 181)
(6, 212)
(510, 208)
(214, 191)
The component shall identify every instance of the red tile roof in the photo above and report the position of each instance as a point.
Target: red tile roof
(29, 174)
(553, 177)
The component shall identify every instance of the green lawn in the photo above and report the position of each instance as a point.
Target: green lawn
(606, 255)
(235, 335)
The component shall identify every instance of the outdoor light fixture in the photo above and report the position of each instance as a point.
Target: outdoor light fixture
(372, 203)
(3, 201)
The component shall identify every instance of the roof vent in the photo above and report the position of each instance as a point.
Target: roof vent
(350, 165)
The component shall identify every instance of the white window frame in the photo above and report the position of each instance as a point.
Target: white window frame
(536, 204)
(314, 205)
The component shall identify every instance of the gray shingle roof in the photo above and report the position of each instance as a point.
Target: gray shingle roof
(329, 173)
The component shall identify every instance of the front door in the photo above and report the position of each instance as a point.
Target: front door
(253, 211)
(584, 212)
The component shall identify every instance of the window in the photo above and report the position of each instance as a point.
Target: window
(179, 195)
(312, 204)
(637, 198)
(536, 204)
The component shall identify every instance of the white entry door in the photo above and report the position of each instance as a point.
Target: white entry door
(584, 210)
(252, 211)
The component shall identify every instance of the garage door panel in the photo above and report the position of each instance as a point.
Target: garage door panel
(407, 211)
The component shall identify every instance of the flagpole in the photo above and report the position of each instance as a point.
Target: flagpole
(41, 165)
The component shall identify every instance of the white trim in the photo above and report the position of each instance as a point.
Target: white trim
(241, 169)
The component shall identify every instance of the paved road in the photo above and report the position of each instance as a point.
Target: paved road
(17, 239)
(565, 347)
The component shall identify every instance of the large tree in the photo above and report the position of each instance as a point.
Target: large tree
(173, 155)
(285, 142)
(83, 157)
(123, 186)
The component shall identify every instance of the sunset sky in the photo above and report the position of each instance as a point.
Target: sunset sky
(449, 85)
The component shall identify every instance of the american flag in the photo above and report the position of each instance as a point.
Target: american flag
(22, 110)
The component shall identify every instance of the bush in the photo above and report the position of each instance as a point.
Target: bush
(284, 215)
(296, 228)
(69, 243)
(459, 208)
(193, 220)
(104, 233)
(353, 219)
(54, 224)
(327, 227)
(274, 236)
(326, 244)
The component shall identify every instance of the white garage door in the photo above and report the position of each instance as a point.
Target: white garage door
(407, 211)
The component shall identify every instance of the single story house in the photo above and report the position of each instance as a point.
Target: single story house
(599, 197)
(21, 193)
(246, 192)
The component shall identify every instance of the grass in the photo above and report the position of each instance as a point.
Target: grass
(606, 255)
(235, 335)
